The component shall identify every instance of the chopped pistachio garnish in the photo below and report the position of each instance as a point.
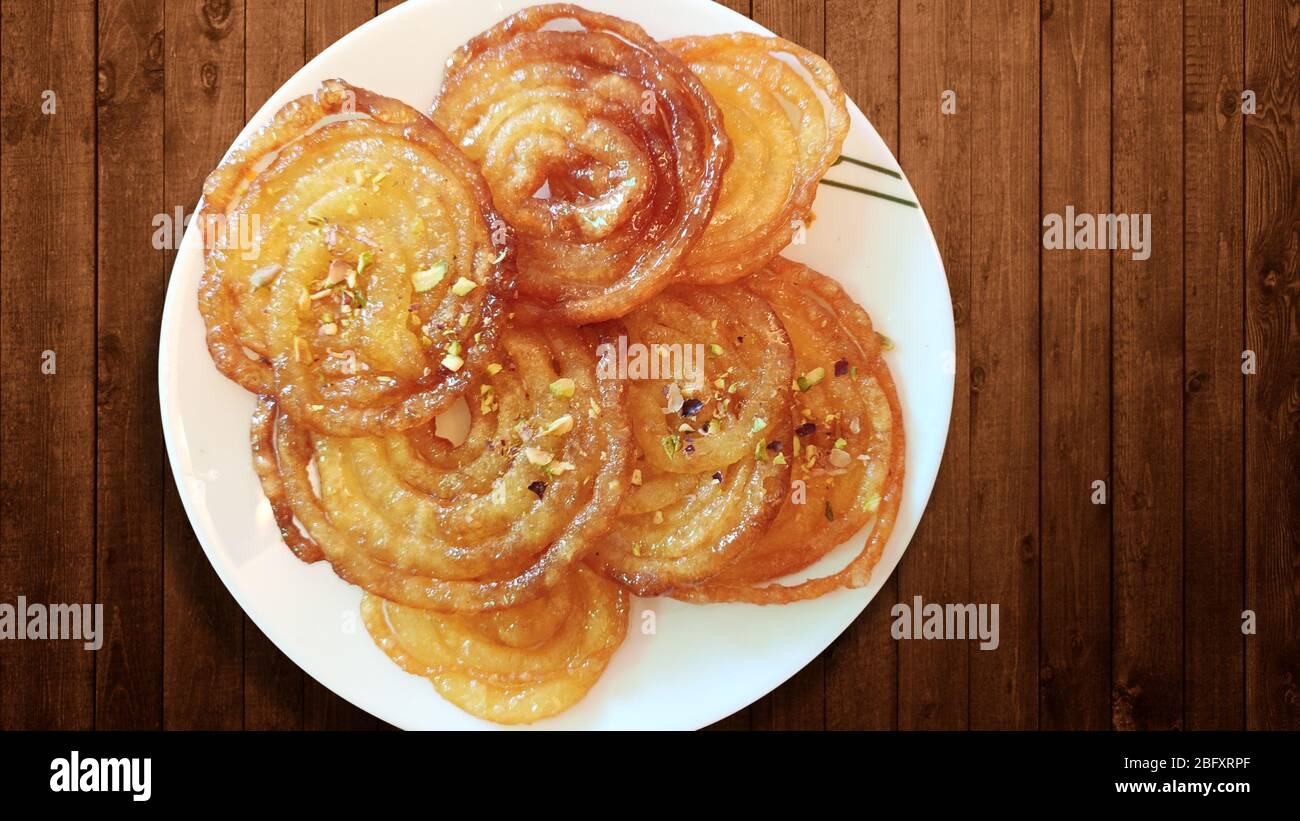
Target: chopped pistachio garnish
(362, 261)
(537, 456)
(377, 179)
(779, 459)
(759, 424)
(885, 342)
(560, 426)
(760, 452)
(429, 277)
(563, 388)
(871, 503)
(715, 349)
(811, 378)
(636, 477)
(452, 362)
(557, 468)
(463, 286)
(593, 410)
(493, 369)
(453, 347)
(719, 383)
(841, 443)
(264, 275)
(315, 408)
(671, 445)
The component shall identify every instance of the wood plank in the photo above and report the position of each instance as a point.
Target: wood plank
(47, 456)
(1147, 363)
(935, 152)
(203, 626)
(862, 664)
(1074, 617)
(1213, 550)
(274, 50)
(132, 278)
(1004, 361)
(800, 703)
(327, 21)
(1272, 415)
(742, 6)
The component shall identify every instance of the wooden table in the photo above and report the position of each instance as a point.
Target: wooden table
(1072, 367)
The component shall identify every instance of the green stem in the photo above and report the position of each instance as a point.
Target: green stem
(864, 164)
(869, 192)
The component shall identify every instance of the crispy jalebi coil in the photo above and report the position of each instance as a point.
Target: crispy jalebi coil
(709, 479)
(846, 453)
(786, 126)
(354, 269)
(486, 524)
(267, 468)
(602, 150)
(512, 666)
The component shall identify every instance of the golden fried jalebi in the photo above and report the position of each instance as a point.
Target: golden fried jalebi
(846, 452)
(602, 150)
(511, 666)
(785, 133)
(669, 408)
(486, 524)
(710, 478)
(359, 275)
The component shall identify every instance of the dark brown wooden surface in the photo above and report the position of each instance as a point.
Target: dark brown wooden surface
(1071, 367)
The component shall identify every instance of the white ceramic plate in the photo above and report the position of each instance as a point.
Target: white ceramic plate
(702, 663)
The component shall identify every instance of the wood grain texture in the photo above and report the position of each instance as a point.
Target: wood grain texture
(1074, 620)
(1147, 363)
(1272, 414)
(47, 308)
(1213, 550)
(1004, 331)
(861, 666)
(935, 150)
(132, 233)
(203, 112)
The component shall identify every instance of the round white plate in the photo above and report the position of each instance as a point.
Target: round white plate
(701, 663)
